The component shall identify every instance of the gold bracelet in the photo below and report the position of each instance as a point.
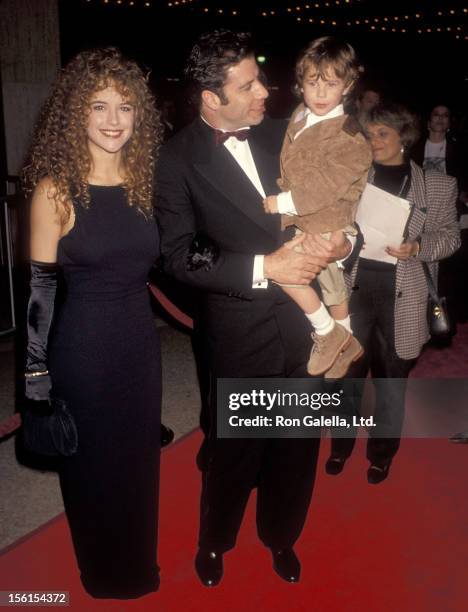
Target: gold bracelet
(35, 374)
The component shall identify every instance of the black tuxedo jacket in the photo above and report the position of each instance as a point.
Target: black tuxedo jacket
(201, 188)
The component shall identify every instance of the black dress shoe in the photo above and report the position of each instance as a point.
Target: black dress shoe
(335, 465)
(286, 564)
(460, 438)
(209, 566)
(378, 473)
(167, 435)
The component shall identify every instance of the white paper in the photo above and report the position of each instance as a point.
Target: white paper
(382, 218)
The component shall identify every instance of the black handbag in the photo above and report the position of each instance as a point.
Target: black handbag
(49, 429)
(438, 317)
(437, 313)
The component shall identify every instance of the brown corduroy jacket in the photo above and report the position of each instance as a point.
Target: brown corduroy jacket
(325, 168)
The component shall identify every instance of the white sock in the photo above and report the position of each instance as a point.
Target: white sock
(346, 323)
(321, 320)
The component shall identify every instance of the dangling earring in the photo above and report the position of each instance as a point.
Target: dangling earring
(402, 150)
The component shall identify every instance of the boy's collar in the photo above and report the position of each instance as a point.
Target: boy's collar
(336, 112)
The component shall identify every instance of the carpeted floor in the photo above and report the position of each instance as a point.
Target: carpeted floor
(402, 545)
(445, 361)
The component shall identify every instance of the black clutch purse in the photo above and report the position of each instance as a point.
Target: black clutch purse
(49, 429)
(437, 313)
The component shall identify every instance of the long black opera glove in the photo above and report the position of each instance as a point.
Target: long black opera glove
(40, 314)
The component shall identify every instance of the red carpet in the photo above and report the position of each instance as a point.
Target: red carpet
(450, 362)
(402, 545)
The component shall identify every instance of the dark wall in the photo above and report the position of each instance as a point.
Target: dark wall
(3, 158)
(414, 68)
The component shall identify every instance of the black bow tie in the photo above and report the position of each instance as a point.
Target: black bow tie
(221, 137)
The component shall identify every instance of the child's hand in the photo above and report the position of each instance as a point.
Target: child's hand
(270, 204)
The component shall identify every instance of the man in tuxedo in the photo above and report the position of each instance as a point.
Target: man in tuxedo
(212, 178)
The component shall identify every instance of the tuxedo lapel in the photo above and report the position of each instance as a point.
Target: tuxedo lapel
(221, 170)
(266, 162)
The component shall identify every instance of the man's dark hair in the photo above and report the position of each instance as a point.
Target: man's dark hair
(210, 58)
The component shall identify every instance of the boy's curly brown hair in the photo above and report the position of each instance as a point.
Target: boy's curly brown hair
(59, 148)
(326, 52)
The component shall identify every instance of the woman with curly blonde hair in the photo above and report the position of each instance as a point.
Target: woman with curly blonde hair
(95, 347)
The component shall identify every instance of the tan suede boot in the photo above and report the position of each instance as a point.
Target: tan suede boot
(326, 349)
(351, 353)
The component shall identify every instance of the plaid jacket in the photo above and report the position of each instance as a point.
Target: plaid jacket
(433, 219)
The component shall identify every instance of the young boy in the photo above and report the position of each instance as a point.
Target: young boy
(324, 164)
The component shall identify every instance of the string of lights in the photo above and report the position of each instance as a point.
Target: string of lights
(339, 14)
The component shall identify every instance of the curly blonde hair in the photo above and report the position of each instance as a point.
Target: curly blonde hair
(60, 149)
